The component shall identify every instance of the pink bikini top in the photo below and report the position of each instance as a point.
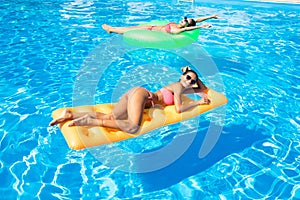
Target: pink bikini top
(168, 96)
(168, 27)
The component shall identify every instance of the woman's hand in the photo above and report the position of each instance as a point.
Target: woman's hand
(205, 26)
(214, 17)
(203, 101)
(202, 94)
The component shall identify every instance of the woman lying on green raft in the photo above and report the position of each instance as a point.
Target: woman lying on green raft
(186, 24)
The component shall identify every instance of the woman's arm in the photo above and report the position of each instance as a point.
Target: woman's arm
(201, 88)
(190, 28)
(201, 19)
(179, 107)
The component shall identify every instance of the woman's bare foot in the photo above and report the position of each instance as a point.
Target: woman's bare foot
(106, 27)
(65, 116)
(86, 120)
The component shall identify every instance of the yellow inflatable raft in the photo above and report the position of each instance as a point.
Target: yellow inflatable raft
(83, 137)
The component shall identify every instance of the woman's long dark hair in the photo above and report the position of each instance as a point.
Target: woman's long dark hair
(190, 70)
(193, 23)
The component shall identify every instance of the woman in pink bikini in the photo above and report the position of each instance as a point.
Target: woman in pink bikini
(128, 112)
(186, 24)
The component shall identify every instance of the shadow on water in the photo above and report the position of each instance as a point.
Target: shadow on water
(232, 140)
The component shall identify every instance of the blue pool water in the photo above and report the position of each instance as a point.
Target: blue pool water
(45, 45)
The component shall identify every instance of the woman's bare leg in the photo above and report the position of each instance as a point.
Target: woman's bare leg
(121, 30)
(136, 99)
(135, 108)
(86, 120)
(119, 112)
(67, 115)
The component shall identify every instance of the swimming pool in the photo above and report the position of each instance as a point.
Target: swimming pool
(44, 46)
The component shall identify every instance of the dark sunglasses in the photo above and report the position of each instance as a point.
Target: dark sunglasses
(185, 19)
(188, 77)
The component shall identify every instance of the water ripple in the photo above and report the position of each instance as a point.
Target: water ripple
(43, 47)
